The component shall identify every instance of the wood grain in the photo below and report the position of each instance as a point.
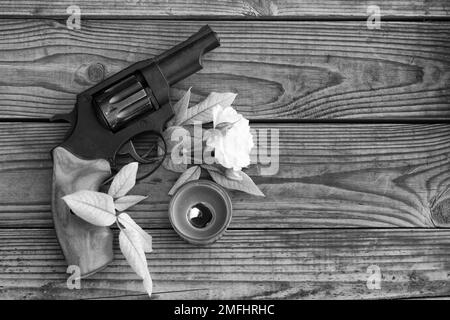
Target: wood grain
(330, 175)
(275, 264)
(281, 70)
(226, 8)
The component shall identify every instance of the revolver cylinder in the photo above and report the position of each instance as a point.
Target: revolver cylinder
(123, 102)
(146, 89)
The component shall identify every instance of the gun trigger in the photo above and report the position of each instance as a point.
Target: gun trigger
(128, 148)
(67, 117)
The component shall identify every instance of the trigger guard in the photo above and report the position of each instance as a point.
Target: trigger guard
(129, 148)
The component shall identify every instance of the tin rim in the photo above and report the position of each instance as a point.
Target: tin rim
(214, 187)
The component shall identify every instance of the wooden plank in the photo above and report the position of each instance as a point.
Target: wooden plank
(281, 70)
(330, 175)
(227, 8)
(431, 298)
(283, 264)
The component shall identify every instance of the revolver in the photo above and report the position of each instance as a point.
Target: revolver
(104, 122)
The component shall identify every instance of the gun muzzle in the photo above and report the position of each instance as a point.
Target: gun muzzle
(146, 89)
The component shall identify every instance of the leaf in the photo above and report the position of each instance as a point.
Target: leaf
(246, 184)
(124, 180)
(193, 173)
(233, 175)
(212, 168)
(202, 112)
(171, 166)
(95, 207)
(148, 285)
(180, 109)
(145, 238)
(125, 202)
(224, 126)
(131, 247)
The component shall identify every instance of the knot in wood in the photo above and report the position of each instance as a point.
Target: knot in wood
(440, 213)
(96, 72)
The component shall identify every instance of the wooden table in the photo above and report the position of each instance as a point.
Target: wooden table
(362, 115)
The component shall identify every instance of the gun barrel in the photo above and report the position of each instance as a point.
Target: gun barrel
(185, 58)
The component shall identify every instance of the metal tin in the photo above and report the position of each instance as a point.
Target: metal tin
(200, 211)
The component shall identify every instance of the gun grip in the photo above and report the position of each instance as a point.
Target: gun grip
(87, 246)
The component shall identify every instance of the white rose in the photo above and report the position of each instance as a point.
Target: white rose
(231, 138)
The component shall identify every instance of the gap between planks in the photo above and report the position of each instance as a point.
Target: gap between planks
(392, 18)
(239, 9)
